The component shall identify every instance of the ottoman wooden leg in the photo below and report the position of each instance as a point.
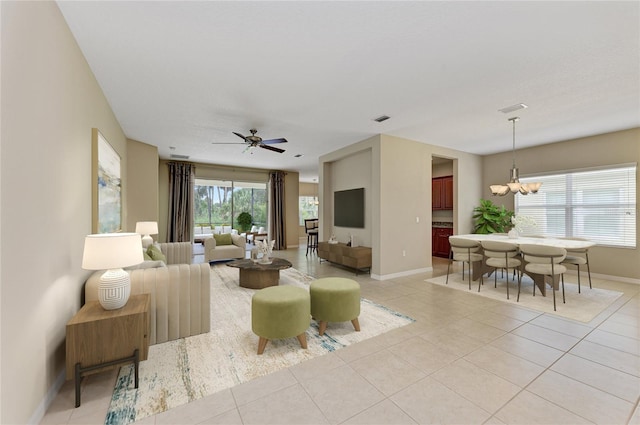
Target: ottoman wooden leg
(356, 324)
(303, 340)
(322, 327)
(262, 344)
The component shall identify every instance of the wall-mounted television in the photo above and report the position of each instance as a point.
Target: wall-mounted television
(348, 208)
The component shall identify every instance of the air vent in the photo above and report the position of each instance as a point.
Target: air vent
(176, 156)
(513, 108)
(298, 155)
(381, 118)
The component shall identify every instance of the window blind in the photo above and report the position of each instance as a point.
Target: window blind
(596, 204)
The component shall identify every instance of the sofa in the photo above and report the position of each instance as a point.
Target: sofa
(180, 293)
(215, 251)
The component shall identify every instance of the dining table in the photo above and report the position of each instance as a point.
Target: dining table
(539, 280)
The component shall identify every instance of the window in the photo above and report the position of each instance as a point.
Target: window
(219, 202)
(597, 204)
(308, 207)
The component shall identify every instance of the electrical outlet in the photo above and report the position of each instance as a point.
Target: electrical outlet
(417, 219)
(404, 253)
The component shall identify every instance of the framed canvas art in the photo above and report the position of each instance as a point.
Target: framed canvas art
(107, 190)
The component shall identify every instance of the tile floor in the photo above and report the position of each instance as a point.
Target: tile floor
(466, 360)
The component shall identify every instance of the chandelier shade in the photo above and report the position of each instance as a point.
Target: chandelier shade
(514, 185)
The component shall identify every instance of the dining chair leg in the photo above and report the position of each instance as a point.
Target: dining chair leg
(448, 267)
(578, 266)
(586, 255)
(507, 283)
(563, 300)
(553, 289)
(469, 275)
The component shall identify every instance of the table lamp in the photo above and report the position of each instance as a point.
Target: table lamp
(112, 251)
(147, 228)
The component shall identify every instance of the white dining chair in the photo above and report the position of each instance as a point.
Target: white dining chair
(503, 256)
(465, 251)
(578, 257)
(545, 260)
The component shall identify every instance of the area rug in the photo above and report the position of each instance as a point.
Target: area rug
(181, 371)
(582, 307)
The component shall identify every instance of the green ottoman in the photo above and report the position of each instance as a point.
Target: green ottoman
(335, 299)
(280, 312)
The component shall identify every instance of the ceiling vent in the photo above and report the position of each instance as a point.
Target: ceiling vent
(381, 118)
(176, 156)
(513, 108)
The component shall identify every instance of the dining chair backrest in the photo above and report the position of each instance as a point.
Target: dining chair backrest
(310, 224)
(577, 250)
(542, 254)
(499, 249)
(463, 245)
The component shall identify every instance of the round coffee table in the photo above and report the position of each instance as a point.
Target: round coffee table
(256, 275)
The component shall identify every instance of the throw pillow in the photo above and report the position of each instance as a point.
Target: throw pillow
(223, 239)
(155, 253)
(146, 255)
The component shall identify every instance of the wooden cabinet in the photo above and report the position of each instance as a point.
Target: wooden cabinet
(357, 258)
(442, 193)
(440, 241)
(99, 339)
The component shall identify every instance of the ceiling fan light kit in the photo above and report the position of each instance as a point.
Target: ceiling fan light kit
(514, 185)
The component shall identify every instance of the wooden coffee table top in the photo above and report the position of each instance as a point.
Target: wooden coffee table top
(247, 264)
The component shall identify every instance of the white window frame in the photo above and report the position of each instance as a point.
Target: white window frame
(597, 203)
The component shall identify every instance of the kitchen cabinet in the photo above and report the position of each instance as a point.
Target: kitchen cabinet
(442, 193)
(440, 241)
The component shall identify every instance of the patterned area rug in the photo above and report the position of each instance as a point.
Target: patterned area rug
(181, 371)
(582, 307)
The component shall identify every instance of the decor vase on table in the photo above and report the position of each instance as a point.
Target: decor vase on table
(266, 249)
(513, 234)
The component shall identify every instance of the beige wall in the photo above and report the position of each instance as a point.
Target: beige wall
(398, 198)
(604, 149)
(50, 102)
(142, 179)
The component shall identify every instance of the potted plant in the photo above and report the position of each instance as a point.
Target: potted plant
(490, 218)
(244, 221)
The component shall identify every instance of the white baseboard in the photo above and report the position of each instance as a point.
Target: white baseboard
(585, 275)
(37, 416)
(401, 274)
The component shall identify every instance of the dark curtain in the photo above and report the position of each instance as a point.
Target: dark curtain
(276, 209)
(180, 220)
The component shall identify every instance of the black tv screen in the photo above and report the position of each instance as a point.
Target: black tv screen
(348, 208)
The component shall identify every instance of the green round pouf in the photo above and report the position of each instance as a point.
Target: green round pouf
(335, 299)
(280, 312)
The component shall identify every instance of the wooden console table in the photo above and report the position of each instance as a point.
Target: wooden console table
(99, 339)
(357, 258)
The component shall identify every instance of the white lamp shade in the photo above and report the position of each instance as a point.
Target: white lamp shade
(147, 227)
(111, 251)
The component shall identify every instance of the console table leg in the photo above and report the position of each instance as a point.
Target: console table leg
(77, 382)
(136, 363)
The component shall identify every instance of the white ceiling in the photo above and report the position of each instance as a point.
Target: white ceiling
(186, 74)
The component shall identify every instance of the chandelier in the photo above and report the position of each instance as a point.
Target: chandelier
(514, 184)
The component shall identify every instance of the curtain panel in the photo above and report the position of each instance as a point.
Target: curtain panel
(180, 220)
(276, 209)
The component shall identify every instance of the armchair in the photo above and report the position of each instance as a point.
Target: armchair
(214, 251)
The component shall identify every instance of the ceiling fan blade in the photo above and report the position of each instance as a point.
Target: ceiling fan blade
(239, 135)
(273, 141)
(271, 148)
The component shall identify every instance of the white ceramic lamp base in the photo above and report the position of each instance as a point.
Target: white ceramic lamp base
(146, 241)
(114, 289)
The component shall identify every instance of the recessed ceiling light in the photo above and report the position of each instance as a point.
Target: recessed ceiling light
(512, 108)
(381, 118)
